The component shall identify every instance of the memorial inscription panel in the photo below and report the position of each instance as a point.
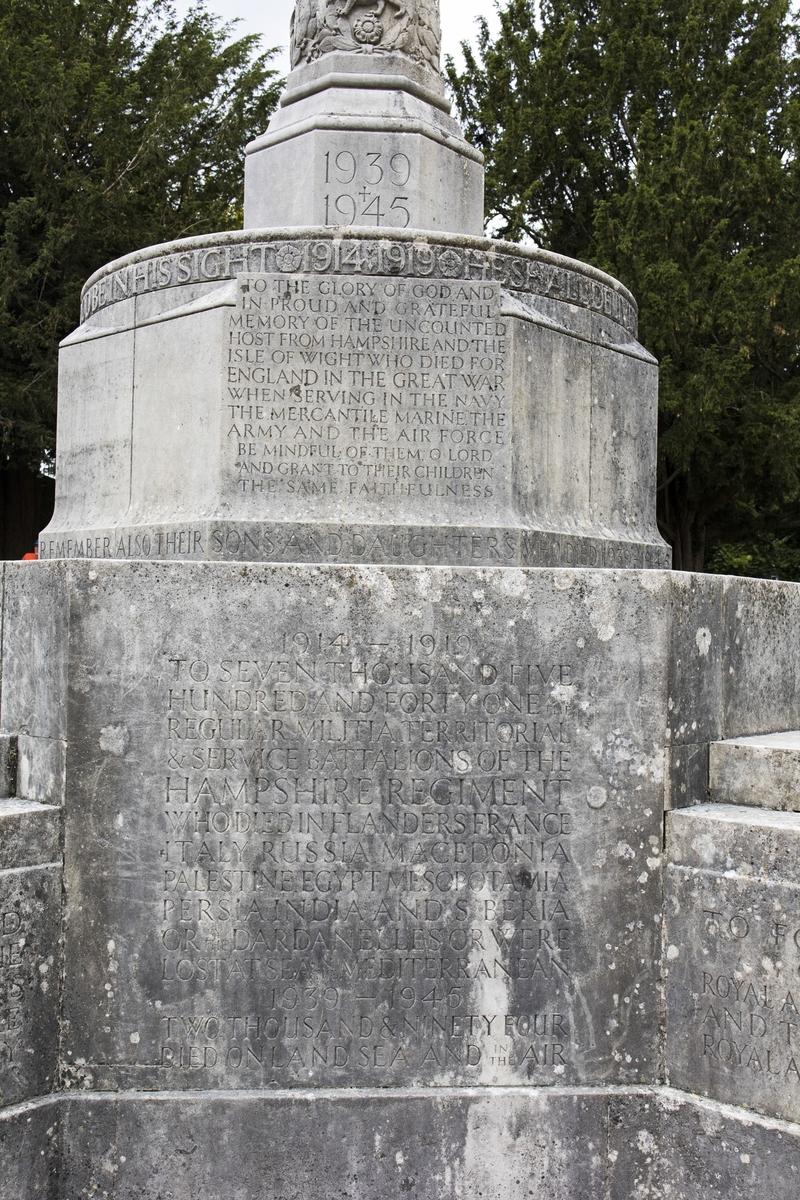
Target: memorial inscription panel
(369, 832)
(219, 257)
(373, 186)
(341, 393)
(29, 983)
(733, 958)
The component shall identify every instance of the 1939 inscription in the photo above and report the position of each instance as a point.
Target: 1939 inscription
(368, 188)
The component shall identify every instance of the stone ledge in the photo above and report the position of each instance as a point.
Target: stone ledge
(213, 258)
(732, 840)
(444, 1144)
(761, 771)
(290, 543)
(29, 833)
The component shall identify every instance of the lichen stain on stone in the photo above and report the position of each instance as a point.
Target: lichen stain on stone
(115, 739)
(703, 641)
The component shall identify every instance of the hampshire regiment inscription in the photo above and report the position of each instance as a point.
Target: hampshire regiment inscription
(380, 844)
(383, 837)
(342, 392)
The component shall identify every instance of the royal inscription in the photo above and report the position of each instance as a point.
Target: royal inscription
(742, 997)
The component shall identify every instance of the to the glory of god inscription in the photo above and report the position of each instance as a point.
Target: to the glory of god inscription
(342, 393)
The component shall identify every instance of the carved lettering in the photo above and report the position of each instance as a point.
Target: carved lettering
(340, 393)
(520, 271)
(371, 837)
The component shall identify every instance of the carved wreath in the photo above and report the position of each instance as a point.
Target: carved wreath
(366, 26)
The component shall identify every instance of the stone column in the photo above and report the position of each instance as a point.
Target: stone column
(364, 135)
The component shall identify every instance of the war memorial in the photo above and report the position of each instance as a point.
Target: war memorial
(380, 815)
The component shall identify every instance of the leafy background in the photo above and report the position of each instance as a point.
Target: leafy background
(659, 142)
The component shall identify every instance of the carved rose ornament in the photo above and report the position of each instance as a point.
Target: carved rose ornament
(409, 27)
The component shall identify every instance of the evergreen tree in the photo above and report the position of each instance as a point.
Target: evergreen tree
(119, 127)
(658, 140)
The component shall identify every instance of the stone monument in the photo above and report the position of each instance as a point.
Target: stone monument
(382, 815)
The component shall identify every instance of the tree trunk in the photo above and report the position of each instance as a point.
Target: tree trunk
(678, 525)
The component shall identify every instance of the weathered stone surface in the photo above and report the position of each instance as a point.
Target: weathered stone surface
(723, 838)
(30, 909)
(386, 850)
(670, 1146)
(710, 1151)
(486, 1144)
(762, 676)
(761, 771)
(696, 683)
(502, 1144)
(359, 399)
(30, 1151)
(734, 670)
(29, 834)
(9, 751)
(732, 956)
(41, 768)
(35, 651)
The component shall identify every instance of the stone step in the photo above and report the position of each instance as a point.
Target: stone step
(30, 833)
(732, 956)
(760, 772)
(723, 839)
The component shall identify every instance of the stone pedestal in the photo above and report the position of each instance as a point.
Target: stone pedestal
(377, 852)
(301, 395)
(343, 727)
(363, 140)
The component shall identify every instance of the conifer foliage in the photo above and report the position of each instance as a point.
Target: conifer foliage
(658, 140)
(119, 127)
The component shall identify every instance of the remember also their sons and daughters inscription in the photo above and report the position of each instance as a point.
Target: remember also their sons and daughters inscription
(343, 392)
